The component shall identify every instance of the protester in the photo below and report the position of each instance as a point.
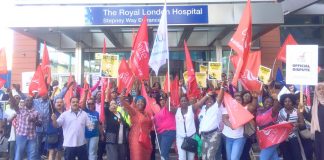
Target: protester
(317, 123)
(54, 135)
(73, 122)
(116, 134)
(165, 126)
(27, 120)
(267, 116)
(234, 139)
(290, 114)
(210, 118)
(139, 135)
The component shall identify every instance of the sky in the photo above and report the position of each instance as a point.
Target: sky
(6, 34)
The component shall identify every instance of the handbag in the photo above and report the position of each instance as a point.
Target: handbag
(52, 139)
(249, 129)
(189, 144)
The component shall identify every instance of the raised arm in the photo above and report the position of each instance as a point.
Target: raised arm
(13, 101)
(84, 99)
(96, 85)
(128, 108)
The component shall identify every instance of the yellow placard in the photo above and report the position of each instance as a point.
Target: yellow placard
(203, 69)
(201, 78)
(185, 77)
(109, 66)
(215, 70)
(264, 74)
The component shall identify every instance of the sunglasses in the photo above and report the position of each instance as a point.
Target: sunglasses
(90, 103)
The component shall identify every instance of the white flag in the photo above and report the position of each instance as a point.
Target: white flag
(160, 51)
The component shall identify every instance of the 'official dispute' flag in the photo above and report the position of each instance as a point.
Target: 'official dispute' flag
(125, 77)
(46, 65)
(38, 83)
(160, 50)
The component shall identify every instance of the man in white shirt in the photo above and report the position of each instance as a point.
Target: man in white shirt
(73, 123)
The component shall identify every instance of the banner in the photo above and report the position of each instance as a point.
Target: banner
(264, 74)
(201, 79)
(274, 134)
(238, 115)
(215, 70)
(203, 69)
(302, 64)
(109, 66)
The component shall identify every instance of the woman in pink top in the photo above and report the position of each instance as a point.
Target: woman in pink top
(165, 126)
(267, 116)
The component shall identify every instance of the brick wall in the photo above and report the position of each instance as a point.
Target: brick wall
(24, 56)
(270, 45)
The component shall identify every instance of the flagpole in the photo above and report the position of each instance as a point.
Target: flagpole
(229, 61)
(273, 67)
(168, 63)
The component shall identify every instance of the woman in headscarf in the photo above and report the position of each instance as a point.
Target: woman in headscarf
(139, 136)
(318, 123)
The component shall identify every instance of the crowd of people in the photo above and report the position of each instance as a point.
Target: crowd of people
(45, 127)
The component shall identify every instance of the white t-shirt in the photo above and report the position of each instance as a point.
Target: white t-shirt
(228, 132)
(9, 114)
(210, 118)
(73, 126)
(190, 122)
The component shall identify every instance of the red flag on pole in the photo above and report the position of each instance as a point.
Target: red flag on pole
(69, 93)
(193, 89)
(140, 53)
(46, 65)
(274, 134)
(125, 77)
(282, 52)
(2, 82)
(151, 106)
(38, 83)
(3, 61)
(238, 115)
(241, 41)
(174, 92)
(249, 78)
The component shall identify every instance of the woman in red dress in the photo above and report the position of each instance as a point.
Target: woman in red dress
(139, 136)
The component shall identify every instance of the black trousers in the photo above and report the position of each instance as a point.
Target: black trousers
(291, 149)
(319, 145)
(70, 153)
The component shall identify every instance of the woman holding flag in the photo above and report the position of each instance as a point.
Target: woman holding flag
(139, 136)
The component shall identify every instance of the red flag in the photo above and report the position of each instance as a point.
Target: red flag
(3, 62)
(282, 52)
(241, 41)
(166, 83)
(46, 65)
(151, 106)
(69, 93)
(125, 77)
(249, 78)
(238, 115)
(85, 87)
(274, 134)
(2, 82)
(102, 100)
(37, 83)
(193, 89)
(140, 53)
(174, 92)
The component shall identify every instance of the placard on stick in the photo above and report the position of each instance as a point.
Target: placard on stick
(109, 66)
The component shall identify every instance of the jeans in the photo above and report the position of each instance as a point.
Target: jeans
(269, 153)
(70, 153)
(93, 147)
(23, 143)
(234, 147)
(166, 139)
(12, 148)
(40, 143)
